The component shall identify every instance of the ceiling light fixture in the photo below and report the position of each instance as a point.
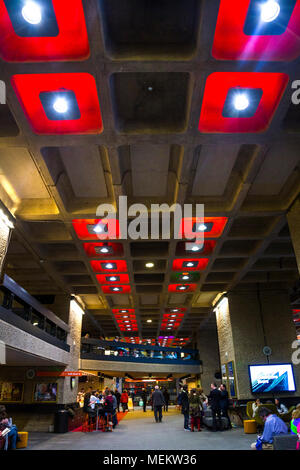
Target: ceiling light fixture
(60, 105)
(149, 265)
(269, 11)
(149, 321)
(32, 12)
(240, 101)
(109, 266)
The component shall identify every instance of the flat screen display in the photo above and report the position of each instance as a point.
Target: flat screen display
(272, 378)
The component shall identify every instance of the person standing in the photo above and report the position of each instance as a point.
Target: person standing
(166, 398)
(118, 397)
(224, 403)
(158, 402)
(124, 400)
(214, 399)
(115, 407)
(183, 401)
(144, 399)
(195, 410)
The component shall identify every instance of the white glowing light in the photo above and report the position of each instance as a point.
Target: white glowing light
(241, 102)
(269, 11)
(32, 13)
(201, 228)
(109, 266)
(60, 105)
(196, 247)
(149, 265)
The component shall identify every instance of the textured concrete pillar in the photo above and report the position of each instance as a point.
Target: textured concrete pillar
(293, 218)
(4, 239)
(249, 320)
(207, 344)
(65, 393)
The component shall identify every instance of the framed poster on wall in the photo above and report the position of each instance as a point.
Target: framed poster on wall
(231, 379)
(11, 392)
(45, 392)
(224, 375)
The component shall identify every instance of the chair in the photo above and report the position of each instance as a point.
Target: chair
(286, 417)
(22, 443)
(270, 407)
(249, 409)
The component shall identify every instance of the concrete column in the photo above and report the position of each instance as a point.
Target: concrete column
(207, 344)
(4, 240)
(293, 218)
(65, 393)
(249, 320)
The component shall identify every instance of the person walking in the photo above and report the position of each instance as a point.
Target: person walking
(214, 399)
(183, 401)
(224, 403)
(124, 400)
(144, 398)
(158, 402)
(166, 398)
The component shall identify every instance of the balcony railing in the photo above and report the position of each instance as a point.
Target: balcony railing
(127, 352)
(19, 309)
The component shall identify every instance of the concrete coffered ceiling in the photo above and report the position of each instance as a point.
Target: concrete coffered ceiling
(150, 81)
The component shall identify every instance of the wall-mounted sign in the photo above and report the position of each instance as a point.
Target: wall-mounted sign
(68, 373)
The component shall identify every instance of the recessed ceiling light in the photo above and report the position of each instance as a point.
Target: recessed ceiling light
(195, 248)
(149, 265)
(174, 309)
(97, 228)
(104, 249)
(269, 11)
(182, 287)
(149, 321)
(116, 289)
(124, 311)
(32, 12)
(185, 277)
(112, 278)
(240, 101)
(109, 265)
(60, 105)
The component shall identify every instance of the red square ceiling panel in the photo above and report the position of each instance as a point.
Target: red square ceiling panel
(102, 250)
(257, 30)
(196, 227)
(96, 229)
(43, 30)
(190, 264)
(123, 311)
(59, 103)
(240, 101)
(180, 288)
(116, 289)
(109, 266)
(112, 278)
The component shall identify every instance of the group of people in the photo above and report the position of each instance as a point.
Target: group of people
(102, 404)
(281, 408)
(273, 424)
(194, 404)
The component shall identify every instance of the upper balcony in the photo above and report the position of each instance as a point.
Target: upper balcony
(120, 356)
(29, 329)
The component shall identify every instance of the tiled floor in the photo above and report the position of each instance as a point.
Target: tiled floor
(144, 434)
